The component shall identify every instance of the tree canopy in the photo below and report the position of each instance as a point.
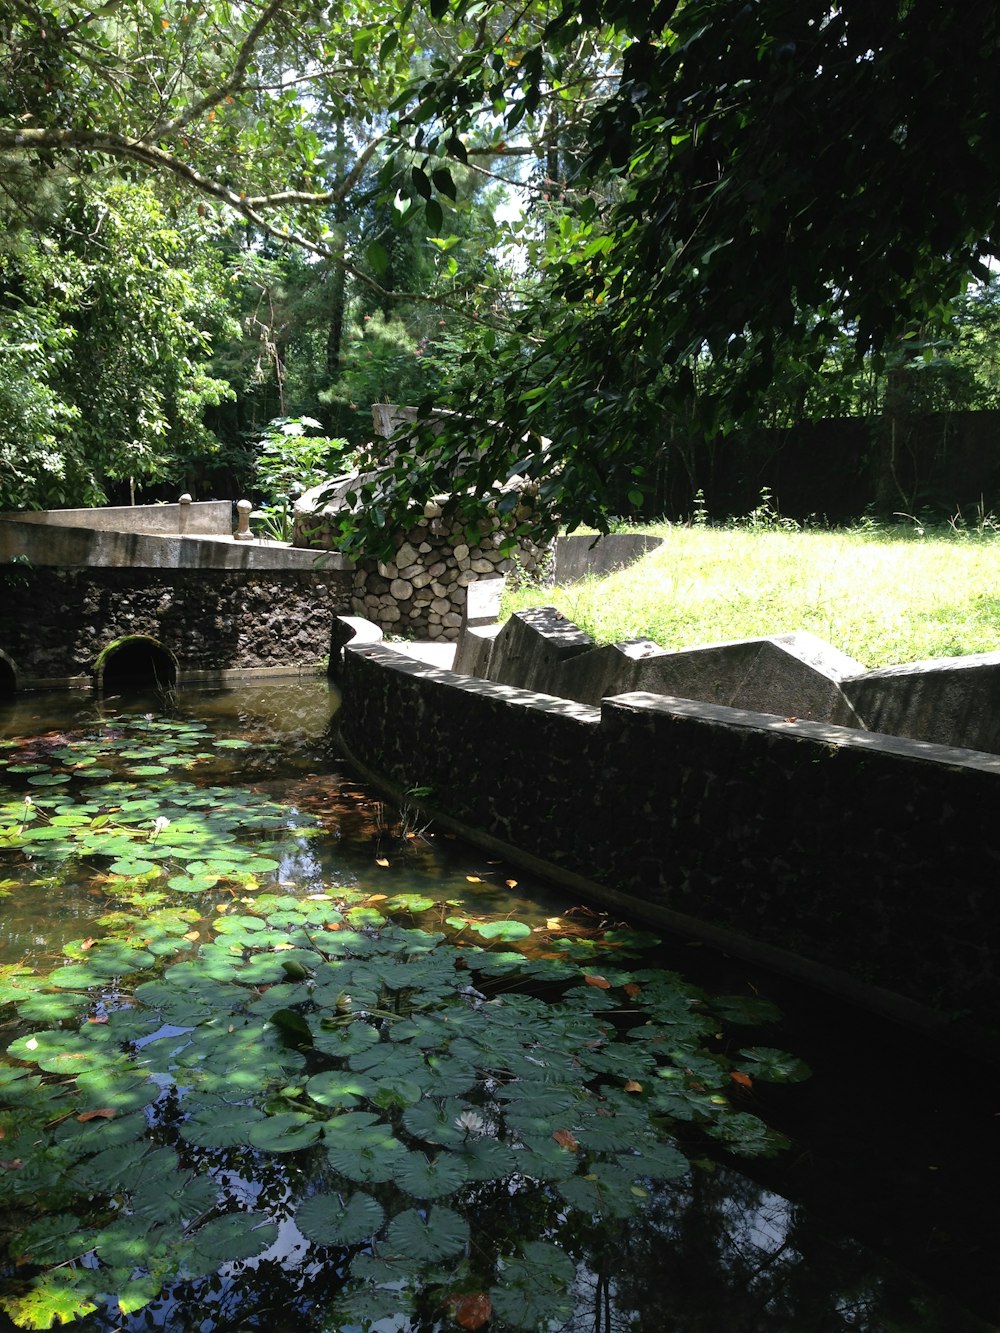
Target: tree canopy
(711, 193)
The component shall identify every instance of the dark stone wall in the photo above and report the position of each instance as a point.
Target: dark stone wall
(869, 855)
(55, 622)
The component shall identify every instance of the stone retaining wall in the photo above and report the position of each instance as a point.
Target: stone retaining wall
(865, 861)
(56, 621)
(421, 592)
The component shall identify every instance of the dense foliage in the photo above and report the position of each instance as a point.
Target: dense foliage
(705, 204)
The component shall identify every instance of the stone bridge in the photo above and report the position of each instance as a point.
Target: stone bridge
(162, 593)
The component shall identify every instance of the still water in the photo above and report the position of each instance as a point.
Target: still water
(878, 1215)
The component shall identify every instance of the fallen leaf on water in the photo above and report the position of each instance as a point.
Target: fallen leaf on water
(222, 907)
(283, 945)
(632, 989)
(98, 1018)
(104, 1113)
(632, 1086)
(511, 883)
(381, 861)
(333, 925)
(473, 879)
(88, 943)
(565, 1139)
(193, 935)
(553, 923)
(744, 1080)
(378, 897)
(602, 983)
(473, 1311)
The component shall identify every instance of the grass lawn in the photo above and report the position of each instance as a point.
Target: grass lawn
(882, 596)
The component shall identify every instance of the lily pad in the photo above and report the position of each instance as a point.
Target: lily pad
(326, 1220)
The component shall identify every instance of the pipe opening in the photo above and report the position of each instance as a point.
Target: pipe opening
(136, 665)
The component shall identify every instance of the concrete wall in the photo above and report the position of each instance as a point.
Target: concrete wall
(55, 622)
(195, 518)
(63, 546)
(864, 861)
(577, 557)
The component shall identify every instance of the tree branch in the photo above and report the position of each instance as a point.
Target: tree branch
(234, 84)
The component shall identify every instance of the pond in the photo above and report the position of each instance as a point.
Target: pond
(281, 1057)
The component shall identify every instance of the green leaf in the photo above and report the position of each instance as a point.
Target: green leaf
(285, 1132)
(227, 1239)
(437, 1235)
(435, 217)
(533, 1288)
(378, 258)
(221, 1126)
(433, 1178)
(773, 1066)
(340, 1088)
(57, 1297)
(501, 930)
(326, 1220)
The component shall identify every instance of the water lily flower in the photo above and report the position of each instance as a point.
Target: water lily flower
(159, 824)
(471, 1122)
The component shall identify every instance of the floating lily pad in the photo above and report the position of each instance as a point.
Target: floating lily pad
(326, 1220)
(432, 1236)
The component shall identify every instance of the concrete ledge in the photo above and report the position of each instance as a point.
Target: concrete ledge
(475, 650)
(792, 675)
(950, 700)
(204, 518)
(75, 547)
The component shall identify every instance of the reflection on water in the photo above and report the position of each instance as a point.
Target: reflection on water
(718, 1250)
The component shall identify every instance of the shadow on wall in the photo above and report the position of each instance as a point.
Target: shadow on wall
(133, 665)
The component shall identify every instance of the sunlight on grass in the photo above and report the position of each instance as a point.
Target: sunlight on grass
(884, 597)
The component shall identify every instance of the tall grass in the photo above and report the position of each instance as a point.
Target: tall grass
(882, 596)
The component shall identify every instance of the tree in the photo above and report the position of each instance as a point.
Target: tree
(731, 183)
(106, 316)
(762, 177)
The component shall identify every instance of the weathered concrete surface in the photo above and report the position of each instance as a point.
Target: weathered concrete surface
(577, 557)
(83, 547)
(791, 675)
(196, 518)
(865, 861)
(948, 700)
(532, 647)
(475, 649)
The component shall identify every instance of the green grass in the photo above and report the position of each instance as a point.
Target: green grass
(882, 596)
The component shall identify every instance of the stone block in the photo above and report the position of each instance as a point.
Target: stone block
(788, 675)
(606, 671)
(532, 646)
(948, 700)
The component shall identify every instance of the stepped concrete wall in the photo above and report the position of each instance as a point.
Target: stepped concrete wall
(864, 861)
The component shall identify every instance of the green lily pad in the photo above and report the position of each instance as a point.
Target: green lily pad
(286, 1132)
(326, 1220)
(431, 1178)
(439, 1233)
